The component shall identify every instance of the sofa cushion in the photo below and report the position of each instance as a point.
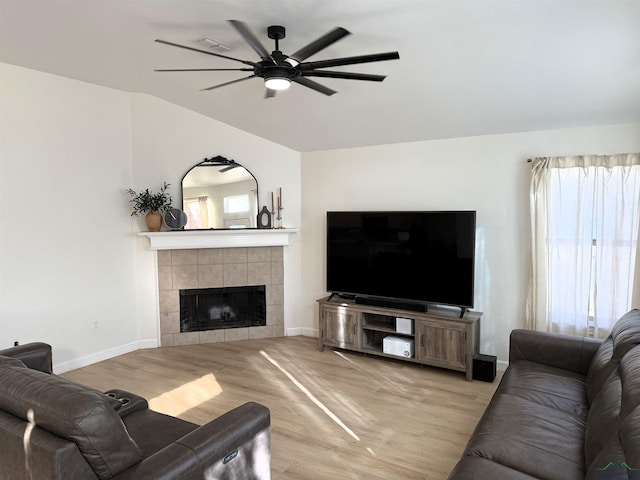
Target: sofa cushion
(533, 427)
(600, 368)
(8, 361)
(478, 468)
(73, 412)
(630, 377)
(547, 386)
(625, 334)
(603, 420)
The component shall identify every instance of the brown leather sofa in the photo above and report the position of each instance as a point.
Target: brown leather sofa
(53, 428)
(566, 408)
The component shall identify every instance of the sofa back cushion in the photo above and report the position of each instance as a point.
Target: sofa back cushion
(613, 425)
(71, 411)
(624, 336)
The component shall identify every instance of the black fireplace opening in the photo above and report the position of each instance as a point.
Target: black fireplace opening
(227, 307)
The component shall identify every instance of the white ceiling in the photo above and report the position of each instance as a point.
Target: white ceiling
(466, 67)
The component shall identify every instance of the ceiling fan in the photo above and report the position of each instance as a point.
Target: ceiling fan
(279, 70)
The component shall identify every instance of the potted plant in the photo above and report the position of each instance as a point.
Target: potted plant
(151, 204)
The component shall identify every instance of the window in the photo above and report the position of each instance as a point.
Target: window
(236, 211)
(585, 219)
(236, 204)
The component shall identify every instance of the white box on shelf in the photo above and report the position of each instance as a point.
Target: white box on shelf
(402, 347)
(404, 325)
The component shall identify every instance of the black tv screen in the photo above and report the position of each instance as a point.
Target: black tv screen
(417, 256)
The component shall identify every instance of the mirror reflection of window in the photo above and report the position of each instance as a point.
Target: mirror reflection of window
(236, 211)
(197, 212)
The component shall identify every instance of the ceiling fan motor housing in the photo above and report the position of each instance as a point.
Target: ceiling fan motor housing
(276, 32)
(280, 69)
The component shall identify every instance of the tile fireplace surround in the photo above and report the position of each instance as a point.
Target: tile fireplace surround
(219, 267)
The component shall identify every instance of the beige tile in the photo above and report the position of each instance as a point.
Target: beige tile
(275, 294)
(277, 254)
(210, 256)
(166, 340)
(278, 331)
(277, 273)
(260, 332)
(184, 257)
(185, 276)
(164, 257)
(234, 255)
(165, 282)
(169, 322)
(259, 273)
(259, 254)
(187, 338)
(210, 276)
(212, 336)
(235, 275)
(232, 334)
(169, 301)
(275, 314)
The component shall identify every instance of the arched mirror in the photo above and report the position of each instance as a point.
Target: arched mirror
(219, 193)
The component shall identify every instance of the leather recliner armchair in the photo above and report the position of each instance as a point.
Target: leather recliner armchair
(51, 427)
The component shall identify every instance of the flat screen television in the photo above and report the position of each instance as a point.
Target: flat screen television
(417, 258)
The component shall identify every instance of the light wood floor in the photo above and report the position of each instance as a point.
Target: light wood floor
(335, 414)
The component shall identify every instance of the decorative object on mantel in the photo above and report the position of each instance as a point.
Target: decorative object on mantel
(175, 219)
(151, 204)
(264, 218)
(277, 209)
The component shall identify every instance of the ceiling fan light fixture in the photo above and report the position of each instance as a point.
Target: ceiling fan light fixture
(277, 83)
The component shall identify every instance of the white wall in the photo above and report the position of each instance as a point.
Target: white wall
(488, 174)
(67, 263)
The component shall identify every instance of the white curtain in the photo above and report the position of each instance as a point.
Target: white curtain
(197, 212)
(585, 213)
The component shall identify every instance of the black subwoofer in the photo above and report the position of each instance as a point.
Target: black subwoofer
(484, 367)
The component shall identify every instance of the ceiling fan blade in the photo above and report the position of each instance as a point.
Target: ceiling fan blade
(205, 70)
(337, 62)
(244, 30)
(269, 93)
(228, 83)
(313, 85)
(346, 75)
(317, 45)
(246, 62)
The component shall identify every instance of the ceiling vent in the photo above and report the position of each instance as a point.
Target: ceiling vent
(213, 44)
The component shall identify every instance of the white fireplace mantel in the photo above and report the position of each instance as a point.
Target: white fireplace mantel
(185, 239)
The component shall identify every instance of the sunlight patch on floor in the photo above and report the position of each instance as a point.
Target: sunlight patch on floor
(311, 397)
(186, 396)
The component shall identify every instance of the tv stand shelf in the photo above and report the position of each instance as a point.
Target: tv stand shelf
(440, 336)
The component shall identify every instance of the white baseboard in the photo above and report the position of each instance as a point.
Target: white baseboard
(103, 355)
(302, 331)
(502, 365)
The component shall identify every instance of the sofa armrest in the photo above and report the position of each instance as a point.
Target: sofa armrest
(36, 355)
(553, 349)
(234, 445)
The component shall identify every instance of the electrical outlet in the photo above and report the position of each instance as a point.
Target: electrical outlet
(95, 325)
(16, 343)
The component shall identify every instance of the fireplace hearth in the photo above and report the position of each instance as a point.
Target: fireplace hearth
(204, 309)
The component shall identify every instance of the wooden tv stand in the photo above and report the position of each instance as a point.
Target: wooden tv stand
(440, 337)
